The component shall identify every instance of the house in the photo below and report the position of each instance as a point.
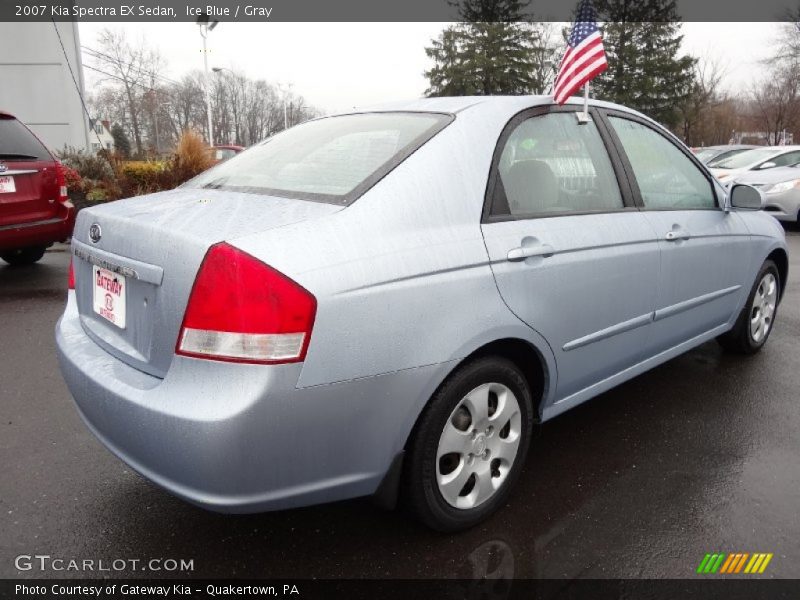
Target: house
(100, 137)
(41, 80)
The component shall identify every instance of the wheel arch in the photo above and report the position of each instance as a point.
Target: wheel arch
(525, 355)
(781, 260)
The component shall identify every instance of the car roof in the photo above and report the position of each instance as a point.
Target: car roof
(457, 104)
(724, 147)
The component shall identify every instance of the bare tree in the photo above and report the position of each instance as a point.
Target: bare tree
(135, 67)
(186, 108)
(700, 100)
(155, 110)
(775, 101)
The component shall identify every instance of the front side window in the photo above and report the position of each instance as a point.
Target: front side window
(667, 178)
(552, 164)
(784, 160)
(331, 160)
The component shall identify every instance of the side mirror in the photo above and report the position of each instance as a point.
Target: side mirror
(767, 165)
(745, 196)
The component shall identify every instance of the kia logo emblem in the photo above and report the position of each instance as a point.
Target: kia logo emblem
(3, 167)
(95, 233)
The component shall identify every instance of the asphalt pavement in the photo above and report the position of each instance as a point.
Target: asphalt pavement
(699, 455)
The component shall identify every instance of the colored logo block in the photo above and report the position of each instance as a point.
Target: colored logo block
(734, 563)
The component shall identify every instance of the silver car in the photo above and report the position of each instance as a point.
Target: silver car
(384, 303)
(710, 155)
(781, 190)
(759, 159)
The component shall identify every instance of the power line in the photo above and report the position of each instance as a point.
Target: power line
(75, 82)
(141, 70)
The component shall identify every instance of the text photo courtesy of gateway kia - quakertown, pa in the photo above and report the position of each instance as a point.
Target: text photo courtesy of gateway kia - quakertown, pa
(450, 299)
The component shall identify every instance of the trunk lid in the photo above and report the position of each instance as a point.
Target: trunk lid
(154, 246)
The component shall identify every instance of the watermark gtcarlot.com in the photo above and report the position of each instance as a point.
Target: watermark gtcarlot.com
(46, 562)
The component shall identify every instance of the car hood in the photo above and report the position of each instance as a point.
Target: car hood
(726, 174)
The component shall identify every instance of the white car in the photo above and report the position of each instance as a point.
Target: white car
(758, 159)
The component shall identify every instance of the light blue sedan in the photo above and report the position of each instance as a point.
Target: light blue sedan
(384, 303)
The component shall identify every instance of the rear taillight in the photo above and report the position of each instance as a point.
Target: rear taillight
(71, 276)
(243, 310)
(61, 182)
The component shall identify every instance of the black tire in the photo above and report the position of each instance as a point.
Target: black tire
(740, 338)
(23, 256)
(419, 490)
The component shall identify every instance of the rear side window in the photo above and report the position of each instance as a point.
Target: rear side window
(551, 164)
(17, 143)
(335, 159)
(667, 178)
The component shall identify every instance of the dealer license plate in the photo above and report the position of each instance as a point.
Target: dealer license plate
(109, 295)
(7, 185)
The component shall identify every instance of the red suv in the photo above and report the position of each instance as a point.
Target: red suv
(34, 208)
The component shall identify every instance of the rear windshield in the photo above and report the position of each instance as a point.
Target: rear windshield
(17, 143)
(335, 159)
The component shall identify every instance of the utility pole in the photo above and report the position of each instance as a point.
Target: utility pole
(285, 97)
(206, 27)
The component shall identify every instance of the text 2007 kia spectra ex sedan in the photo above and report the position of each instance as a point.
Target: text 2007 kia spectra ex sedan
(384, 303)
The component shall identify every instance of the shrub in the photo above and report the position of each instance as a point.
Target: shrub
(106, 176)
(97, 194)
(88, 166)
(144, 175)
(192, 156)
(73, 179)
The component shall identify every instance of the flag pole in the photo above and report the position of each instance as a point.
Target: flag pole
(586, 100)
(583, 117)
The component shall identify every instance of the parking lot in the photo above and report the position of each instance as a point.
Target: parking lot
(699, 455)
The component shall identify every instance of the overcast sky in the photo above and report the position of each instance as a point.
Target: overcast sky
(336, 66)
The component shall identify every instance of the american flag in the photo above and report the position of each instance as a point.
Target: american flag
(585, 57)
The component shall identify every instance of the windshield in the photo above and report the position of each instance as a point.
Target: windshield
(717, 160)
(745, 159)
(704, 155)
(335, 159)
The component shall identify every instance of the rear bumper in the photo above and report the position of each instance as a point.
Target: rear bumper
(39, 233)
(241, 438)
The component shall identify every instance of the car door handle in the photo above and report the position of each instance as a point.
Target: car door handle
(523, 252)
(675, 235)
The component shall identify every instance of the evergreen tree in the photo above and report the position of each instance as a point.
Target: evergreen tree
(121, 142)
(489, 52)
(645, 69)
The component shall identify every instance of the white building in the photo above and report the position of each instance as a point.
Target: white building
(41, 81)
(101, 138)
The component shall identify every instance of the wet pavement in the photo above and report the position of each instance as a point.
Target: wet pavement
(700, 455)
